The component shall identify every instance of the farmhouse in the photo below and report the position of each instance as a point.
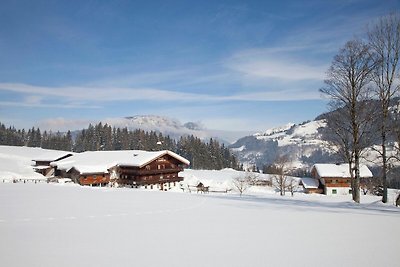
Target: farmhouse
(127, 167)
(335, 178)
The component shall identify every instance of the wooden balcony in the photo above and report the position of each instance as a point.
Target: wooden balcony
(150, 181)
(149, 172)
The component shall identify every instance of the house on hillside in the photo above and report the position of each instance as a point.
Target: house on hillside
(42, 163)
(128, 167)
(335, 178)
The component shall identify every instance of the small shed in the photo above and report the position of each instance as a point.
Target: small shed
(311, 185)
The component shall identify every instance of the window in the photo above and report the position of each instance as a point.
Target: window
(334, 191)
(148, 167)
(158, 167)
(350, 191)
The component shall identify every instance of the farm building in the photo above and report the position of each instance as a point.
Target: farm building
(127, 167)
(336, 178)
(311, 185)
(42, 163)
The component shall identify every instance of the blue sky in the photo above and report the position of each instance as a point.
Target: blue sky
(232, 65)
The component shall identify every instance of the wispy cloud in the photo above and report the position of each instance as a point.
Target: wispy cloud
(63, 124)
(70, 96)
(41, 105)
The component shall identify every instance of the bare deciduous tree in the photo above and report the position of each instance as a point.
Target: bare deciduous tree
(346, 85)
(241, 184)
(280, 180)
(292, 185)
(384, 39)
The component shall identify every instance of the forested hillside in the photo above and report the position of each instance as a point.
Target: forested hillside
(203, 155)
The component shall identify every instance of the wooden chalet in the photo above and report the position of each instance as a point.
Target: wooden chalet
(132, 168)
(161, 170)
(336, 178)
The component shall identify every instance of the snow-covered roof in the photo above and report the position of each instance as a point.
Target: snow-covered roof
(339, 170)
(101, 161)
(84, 169)
(309, 183)
(53, 155)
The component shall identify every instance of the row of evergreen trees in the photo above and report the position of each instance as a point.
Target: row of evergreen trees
(203, 155)
(35, 138)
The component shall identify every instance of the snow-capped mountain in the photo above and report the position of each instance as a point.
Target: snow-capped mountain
(165, 125)
(172, 127)
(303, 142)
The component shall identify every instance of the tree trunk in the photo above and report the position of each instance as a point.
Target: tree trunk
(356, 189)
(384, 164)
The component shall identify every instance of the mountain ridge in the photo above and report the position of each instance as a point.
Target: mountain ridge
(174, 128)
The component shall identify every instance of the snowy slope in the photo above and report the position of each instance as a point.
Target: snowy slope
(16, 162)
(299, 141)
(291, 134)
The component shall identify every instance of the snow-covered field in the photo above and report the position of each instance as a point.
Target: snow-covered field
(69, 225)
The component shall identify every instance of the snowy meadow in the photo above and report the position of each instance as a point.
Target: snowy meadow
(70, 225)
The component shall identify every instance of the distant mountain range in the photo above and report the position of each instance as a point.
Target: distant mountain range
(174, 128)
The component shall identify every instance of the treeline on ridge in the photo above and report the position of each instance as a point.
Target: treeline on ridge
(201, 154)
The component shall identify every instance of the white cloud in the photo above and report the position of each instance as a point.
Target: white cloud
(281, 63)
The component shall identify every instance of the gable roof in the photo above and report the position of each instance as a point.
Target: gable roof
(53, 155)
(309, 183)
(339, 170)
(101, 161)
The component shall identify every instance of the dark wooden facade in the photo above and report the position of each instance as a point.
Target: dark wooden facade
(96, 179)
(336, 182)
(162, 171)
